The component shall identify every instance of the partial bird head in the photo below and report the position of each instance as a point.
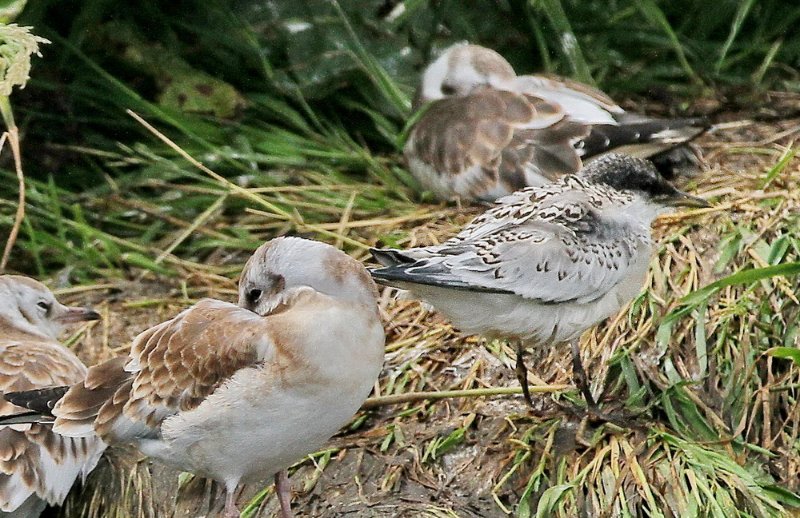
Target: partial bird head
(460, 70)
(290, 262)
(29, 306)
(640, 178)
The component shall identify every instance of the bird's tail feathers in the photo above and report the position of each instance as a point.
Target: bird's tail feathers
(389, 256)
(40, 402)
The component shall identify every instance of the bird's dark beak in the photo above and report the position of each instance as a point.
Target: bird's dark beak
(682, 199)
(72, 315)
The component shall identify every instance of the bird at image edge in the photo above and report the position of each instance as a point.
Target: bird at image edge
(486, 132)
(239, 393)
(37, 466)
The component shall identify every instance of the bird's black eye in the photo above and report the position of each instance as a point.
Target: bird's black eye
(448, 89)
(253, 295)
(44, 305)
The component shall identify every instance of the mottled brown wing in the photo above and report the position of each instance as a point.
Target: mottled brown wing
(549, 153)
(172, 367)
(457, 134)
(504, 140)
(33, 459)
(27, 365)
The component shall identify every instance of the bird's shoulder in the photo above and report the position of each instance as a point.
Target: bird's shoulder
(183, 360)
(570, 202)
(458, 133)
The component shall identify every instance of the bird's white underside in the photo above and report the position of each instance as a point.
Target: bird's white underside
(263, 419)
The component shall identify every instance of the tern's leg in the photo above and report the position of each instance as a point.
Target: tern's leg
(522, 373)
(579, 375)
(231, 511)
(284, 491)
(593, 413)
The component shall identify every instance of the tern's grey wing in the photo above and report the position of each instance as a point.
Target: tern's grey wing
(572, 257)
(566, 200)
(552, 264)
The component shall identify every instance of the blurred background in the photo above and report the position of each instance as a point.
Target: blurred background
(270, 93)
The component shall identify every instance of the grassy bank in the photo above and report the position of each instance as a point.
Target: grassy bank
(162, 144)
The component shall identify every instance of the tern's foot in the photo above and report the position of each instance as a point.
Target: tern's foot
(593, 419)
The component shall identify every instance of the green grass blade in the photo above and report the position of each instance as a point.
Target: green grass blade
(656, 17)
(736, 25)
(569, 46)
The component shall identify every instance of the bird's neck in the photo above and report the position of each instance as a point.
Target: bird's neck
(17, 326)
(637, 214)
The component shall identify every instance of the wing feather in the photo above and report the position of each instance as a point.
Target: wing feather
(33, 459)
(554, 248)
(581, 103)
(493, 141)
(172, 367)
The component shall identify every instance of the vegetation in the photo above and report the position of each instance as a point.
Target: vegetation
(161, 143)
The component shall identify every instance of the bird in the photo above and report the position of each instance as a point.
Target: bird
(485, 132)
(37, 466)
(238, 393)
(545, 263)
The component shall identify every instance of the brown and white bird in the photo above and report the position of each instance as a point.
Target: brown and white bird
(546, 263)
(488, 132)
(37, 466)
(239, 393)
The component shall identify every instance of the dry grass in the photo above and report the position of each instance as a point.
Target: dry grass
(720, 432)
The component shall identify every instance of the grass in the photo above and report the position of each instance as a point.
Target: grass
(142, 212)
(703, 350)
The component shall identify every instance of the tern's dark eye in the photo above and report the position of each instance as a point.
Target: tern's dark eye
(44, 305)
(448, 89)
(253, 295)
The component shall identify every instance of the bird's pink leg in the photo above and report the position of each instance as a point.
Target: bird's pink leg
(284, 492)
(231, 511)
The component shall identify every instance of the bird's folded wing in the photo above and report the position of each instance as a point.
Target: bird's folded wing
(537, 260)
(566, 202)
(33, 459)
(172, 367)
(29, 365)
(494, 135)
(580, 102)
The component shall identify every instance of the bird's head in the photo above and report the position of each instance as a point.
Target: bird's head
(290, 262)
(30, 306)
(639, 178)
(460, 70)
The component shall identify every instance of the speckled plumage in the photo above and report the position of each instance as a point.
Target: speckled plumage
(545, 263)
(488, 132)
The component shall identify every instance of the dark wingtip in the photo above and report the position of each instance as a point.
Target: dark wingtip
(40, 401)
(384, 275)
(388, 256)
(24, 418)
